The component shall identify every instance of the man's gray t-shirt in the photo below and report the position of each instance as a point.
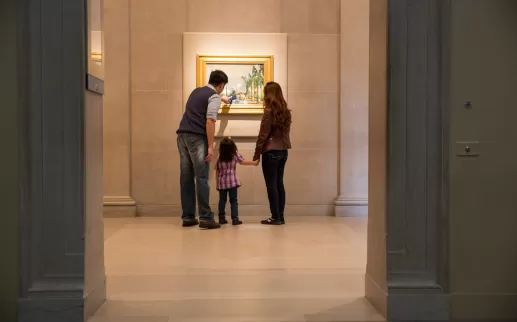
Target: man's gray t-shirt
(214, 103)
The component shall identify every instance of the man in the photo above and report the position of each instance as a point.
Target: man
(195, 144)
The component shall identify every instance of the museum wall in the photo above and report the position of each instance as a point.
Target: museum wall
(151, 104)
(375, 280)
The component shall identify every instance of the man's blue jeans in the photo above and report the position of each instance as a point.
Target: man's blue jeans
(193, 149)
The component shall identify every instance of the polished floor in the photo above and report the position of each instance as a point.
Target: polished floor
(311, 269)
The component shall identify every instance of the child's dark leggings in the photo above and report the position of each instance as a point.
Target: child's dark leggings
(223, 197)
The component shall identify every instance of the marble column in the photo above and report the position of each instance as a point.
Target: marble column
(117, 110)
(353, 113)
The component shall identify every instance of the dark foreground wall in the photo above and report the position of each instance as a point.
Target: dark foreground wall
(8, 160)
(452, 162)
(483, 189)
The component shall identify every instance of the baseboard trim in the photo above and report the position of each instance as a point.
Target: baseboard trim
(376, 295)
(244, 210)
(351, 207)
(119, 201)
(119, 211)
(418, 305)
(54, 309)
(94, 300)
(119, 207)
(501, 307)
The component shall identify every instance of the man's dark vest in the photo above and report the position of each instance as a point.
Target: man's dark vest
(194, 118)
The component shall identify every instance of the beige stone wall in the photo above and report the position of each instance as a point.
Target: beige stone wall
(117, 109)
(94, 272)
(155, 31)
(375, 281)
(353, 132)
(156, 99)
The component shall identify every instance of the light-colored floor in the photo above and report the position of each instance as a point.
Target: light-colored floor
(311, 269)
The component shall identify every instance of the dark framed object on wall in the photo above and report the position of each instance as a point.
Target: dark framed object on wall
(95, 46)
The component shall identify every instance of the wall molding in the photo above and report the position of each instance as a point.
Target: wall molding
(119, 207)
(418, 305)
(119, 211)
(244, 210)
(60, 307)
(119, 201)
(351, 207)
(344, 201)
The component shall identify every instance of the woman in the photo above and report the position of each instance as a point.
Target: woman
(272, 143)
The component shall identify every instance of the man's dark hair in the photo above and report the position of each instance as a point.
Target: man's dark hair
(218, 77)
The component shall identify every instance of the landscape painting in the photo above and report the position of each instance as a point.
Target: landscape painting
(247, 77)
(245, 82)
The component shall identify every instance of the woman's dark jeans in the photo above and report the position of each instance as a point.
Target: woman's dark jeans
(273, 165)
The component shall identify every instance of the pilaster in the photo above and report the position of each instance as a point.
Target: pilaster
(118, 201)
(119, 206)
(353, 111)
(417, 218)
(52, 156)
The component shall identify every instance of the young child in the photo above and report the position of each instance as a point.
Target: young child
(227, 181)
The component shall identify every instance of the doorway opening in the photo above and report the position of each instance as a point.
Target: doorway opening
(311, 269)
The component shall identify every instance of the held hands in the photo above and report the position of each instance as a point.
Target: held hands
(256, 162)
(250, 162)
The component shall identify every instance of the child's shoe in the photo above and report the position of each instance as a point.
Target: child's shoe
(236, 222)
(190, 222)
(273, 221)
(222, 220)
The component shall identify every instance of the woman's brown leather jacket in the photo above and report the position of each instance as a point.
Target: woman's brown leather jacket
(270, 137)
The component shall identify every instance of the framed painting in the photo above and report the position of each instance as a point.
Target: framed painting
(247, 76)
(95, 38)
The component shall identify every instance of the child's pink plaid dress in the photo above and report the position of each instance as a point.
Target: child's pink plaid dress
(227, 173)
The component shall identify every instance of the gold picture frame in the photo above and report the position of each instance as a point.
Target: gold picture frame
(248, 93)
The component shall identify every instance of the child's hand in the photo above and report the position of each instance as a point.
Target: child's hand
(257, 162)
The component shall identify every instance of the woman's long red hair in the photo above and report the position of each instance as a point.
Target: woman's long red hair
(274, 100)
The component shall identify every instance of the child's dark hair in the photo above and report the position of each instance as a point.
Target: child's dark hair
(227, 150)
